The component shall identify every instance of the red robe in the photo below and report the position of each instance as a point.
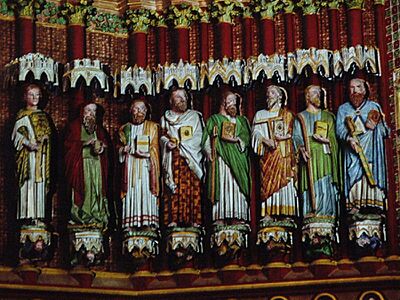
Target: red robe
(74, 161)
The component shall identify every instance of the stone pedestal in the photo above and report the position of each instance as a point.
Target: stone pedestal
(35, 244)
(183, 245)
(140, 244)
(86, 245)
(366, 235)
(275, 240)
(319, 238)
(228, 242)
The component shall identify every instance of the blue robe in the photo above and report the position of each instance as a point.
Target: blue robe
(372, 142)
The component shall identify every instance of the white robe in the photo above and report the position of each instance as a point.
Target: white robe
(189, 149)
(140, 205)
(33, 192)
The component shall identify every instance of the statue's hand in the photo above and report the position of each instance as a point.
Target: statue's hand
(283, 137)
(353, 143)
(231, 140)
(209, 157)
(270, 143)
(306, 156)
(89, 142)
(32, 146)
(370, 124)
(126, 149)
(320, 139)
(141, 154)
(171, 145)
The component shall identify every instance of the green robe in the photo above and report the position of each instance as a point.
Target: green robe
(235, 158)
(94, 209)
(325, 166)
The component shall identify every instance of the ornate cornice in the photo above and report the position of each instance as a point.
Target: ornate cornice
(205, 16)
(51, 13)
(78, 13)
(266, 9)
(288, 6)
(309, 7)
(107, 22)
(335, 4)
(355, 4)
(5, 9)
(139, 20)
(27, 8)
(183, 15)
(226, 11)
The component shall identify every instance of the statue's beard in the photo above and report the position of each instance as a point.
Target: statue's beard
(138, 118)
(181, 106)
(316, 102)
(232, 110)
(89, 123)
(356, 99)
(272, 102)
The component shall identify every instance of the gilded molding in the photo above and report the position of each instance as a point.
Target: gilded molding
(117, 7)
(50, 25)
(114, 34)
(7, 18)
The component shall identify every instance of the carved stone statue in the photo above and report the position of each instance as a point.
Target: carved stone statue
(362, 130)
(182, 129)
(319, 179)
(86, 161)
(226, 142)
(139, 154)
(32, 136)
(272, 141)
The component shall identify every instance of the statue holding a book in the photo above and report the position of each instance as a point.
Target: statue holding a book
(362, 129)
(319, 176)
(226, 142)
(182, 168)
(272, 141)
(139, 154)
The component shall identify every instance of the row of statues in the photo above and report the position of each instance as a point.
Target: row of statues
(307, 163)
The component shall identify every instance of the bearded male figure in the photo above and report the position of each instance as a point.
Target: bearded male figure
(226, 142)
(139, 152)
(182, 165)
(319, 183)
(272, 141)
(86, 161)
(362, 129)
(182, 129)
